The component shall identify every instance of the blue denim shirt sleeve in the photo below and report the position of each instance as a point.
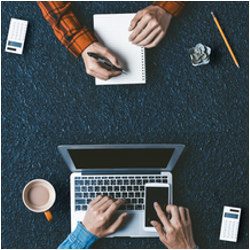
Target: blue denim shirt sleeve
(81, 238)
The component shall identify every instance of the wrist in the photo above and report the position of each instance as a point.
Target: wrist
(92, 231)
(163, 10)
(88, 47)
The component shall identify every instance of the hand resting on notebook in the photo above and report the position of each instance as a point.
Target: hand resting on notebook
(99, 213)
(149, 26)
(97, 69)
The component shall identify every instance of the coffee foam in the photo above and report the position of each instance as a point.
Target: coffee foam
(38, 195)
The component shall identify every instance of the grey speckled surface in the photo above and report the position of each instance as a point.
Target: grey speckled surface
(47, 100)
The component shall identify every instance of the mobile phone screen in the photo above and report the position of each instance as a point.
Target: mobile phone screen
(155, 194)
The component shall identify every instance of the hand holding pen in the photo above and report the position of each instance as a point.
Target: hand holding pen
(95, 67)
(104, 61)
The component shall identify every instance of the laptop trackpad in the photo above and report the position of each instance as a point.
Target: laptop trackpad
(126, 221)
(132, 226)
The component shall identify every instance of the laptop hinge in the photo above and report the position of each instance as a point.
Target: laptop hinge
(120, 172)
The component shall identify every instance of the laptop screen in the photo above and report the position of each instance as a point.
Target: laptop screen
(121, 158)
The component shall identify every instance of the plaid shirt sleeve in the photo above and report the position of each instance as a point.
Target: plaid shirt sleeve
(173, 7)
(66, 27)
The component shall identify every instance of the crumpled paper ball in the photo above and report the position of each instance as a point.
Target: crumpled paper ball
(200, 54)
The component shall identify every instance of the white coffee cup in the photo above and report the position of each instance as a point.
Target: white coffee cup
(39, 196)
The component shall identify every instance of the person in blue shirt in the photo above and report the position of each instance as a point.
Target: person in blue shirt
(177, 232)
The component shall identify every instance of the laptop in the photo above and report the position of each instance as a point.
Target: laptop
(118, 171)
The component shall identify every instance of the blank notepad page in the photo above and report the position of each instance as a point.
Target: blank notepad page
(112, 31)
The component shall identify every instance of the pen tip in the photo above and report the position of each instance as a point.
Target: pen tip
(212, 13)
(238, 66)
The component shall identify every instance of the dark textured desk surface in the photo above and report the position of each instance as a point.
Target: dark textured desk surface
(47, 100)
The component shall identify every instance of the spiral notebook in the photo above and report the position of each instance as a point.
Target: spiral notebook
(112, 31)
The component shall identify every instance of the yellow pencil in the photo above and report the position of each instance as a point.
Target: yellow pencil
(225, 40)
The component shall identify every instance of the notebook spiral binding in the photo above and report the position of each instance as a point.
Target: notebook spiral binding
(143, 63)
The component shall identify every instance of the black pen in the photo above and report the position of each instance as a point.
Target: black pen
(101, 60)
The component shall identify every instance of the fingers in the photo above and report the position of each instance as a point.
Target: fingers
(100, 203)
(106, 205)
(105, 53)
(146, 32)
(156, 40)
(163, 218)
(149, 39)
(182, 213)
(114, 206)
(174, 211)
(106, 73)
(138, 29)
(116, 224)
(158, 228)
(96, 200)
(135, 20)
(96, 69)
(188, 215)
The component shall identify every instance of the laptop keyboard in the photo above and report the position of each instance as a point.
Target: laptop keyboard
(129, 187)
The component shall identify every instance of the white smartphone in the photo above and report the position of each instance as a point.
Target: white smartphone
(154, 192)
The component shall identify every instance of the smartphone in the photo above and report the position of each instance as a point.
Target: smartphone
(155, 192)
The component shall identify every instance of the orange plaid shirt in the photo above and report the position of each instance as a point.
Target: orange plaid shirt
(72, 34)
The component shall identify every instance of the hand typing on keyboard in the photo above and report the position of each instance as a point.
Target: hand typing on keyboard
(178, 230)
(97, 219)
